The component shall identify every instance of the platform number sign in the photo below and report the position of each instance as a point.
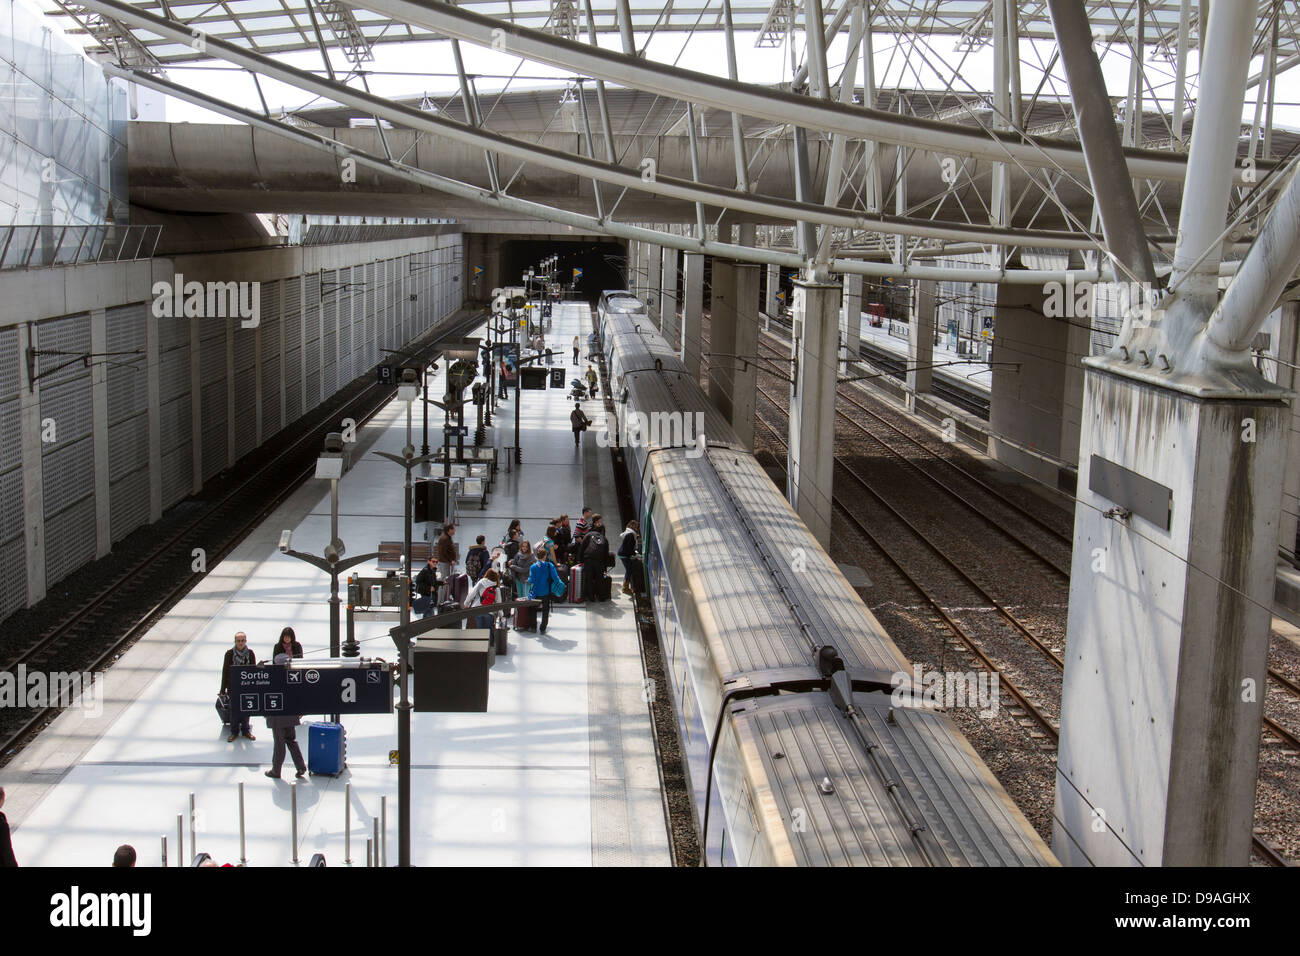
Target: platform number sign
(385, 375)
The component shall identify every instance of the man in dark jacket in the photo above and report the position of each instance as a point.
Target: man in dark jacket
(594, 554)
(238, 656)
(446, 554)
(425, 584)
(286, 736)
(578, 418)
(6, 845)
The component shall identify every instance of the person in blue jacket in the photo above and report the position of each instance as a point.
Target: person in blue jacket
(543, 582)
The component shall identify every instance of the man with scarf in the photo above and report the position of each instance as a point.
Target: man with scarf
(238, 656)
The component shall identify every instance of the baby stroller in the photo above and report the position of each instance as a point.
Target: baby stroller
(578, 390)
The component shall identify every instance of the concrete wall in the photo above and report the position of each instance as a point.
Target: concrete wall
(89, 454)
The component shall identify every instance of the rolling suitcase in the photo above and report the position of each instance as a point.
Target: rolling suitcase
(444, 608)
(458, 587)
(501, 634)
(562, 572)
(525, 618)
(604, 588)
(223, 708)
(575, 584)
(326, 748)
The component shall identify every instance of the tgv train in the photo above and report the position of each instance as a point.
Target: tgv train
(797, 752)
(621, 302)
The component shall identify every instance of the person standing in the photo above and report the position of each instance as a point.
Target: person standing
(591, 381)
(288, 645)
(6, 843)
(485, 593)
(576, 346)
(627, 548)
(563, 538)
(283, 731)
(543, 579)
(580, 422)
(446, 554)
(124, 857)
(519, 567)
(594, 555)
(426, 583)
(241, 655)
(477, 559)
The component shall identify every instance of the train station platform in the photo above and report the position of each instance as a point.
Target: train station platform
(561, 770)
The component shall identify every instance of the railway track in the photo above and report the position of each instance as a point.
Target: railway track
(166, 568)
(1023, 699)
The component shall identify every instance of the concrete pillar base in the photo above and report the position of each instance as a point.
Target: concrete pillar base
(1168, 627)
(733, 345)
(692, 310)
(811, 458)
(851, 322)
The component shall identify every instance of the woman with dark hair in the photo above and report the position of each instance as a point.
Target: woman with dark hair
(288, 644)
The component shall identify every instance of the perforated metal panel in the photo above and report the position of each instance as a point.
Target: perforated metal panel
(128, 504)
(173, 333)
(271, 396)
(174, 375)
(245, 354)
(214, 451)
(13, 571)
(292, 382)
(69, 539)
(128, 446)
(313, 387)
(177, 471)
(212, 351)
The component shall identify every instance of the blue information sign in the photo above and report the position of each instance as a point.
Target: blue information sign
(281, 690)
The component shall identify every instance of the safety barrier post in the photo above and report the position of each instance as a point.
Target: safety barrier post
(243, 855)
(293, 812)
(347, 824)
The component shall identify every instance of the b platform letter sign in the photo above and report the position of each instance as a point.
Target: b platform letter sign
(278, 690)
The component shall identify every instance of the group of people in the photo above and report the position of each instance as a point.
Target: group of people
(518, 569)
(283, 729)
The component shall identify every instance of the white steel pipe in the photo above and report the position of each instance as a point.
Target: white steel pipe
(1213, 152)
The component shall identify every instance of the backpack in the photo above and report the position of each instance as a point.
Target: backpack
(489, 595)
(473, 564)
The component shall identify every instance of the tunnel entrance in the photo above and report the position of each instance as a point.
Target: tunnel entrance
(602, 262)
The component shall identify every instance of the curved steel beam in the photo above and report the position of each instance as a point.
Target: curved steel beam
(589, 224)
(746, 99)
(590, 167)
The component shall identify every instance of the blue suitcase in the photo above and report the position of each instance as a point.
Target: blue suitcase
(326, 748)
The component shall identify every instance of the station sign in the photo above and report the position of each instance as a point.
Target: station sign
(385, 375)
(282, 690)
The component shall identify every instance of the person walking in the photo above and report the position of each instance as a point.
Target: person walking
(285, 735)
(446, 554)
(580, 422)
(594, 555)
(628, 546)
(591, 381)
(241, 655)
(576, 346)
(287, 645)
(543, 580)
(7, 858)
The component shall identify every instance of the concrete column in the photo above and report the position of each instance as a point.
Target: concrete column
(770, 304)
(231, 431)
(1036, 403)
(851, 321)
(1288, 350)
(668, 299)
(302, 339)
(811, 457)
(257, 380)
(733, 344)
(654, 282)
(196, 407)
(153, 376)
(29, 413)
(1169, 624)
(692, 310)
(99, 431)
(920, 340)
(284, 341)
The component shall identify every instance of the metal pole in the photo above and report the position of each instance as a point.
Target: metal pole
(334, 577)
(293, 814)
(164, 851)
(376, 839)
(519, 452)
(1213, 153)
(383, 832)
(1180, 68)
(409, 453)
(403, 751)
(368, 851)
(180, 839)
(243, 854)
(194, 846)
(347, 824)
(424, 391)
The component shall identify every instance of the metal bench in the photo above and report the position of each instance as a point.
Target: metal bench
(473, 490)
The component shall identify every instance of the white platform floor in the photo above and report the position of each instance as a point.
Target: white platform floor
(977, 374)
(560, 770)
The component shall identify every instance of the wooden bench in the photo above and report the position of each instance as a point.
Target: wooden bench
(390, 555)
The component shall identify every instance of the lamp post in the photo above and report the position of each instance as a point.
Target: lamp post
(331, 465)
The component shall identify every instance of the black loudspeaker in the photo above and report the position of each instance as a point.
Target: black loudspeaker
(430, 499)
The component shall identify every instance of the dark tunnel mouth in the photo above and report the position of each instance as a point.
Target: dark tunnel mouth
(601, 261)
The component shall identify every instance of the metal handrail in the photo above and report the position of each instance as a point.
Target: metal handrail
(28, 246)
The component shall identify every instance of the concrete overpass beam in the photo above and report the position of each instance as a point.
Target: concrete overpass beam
(811, 454)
